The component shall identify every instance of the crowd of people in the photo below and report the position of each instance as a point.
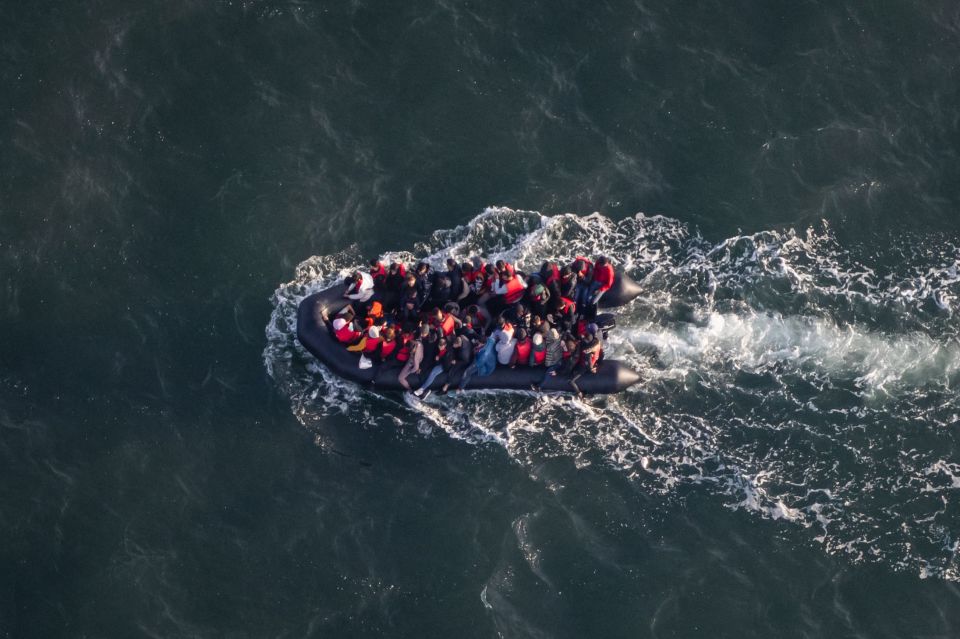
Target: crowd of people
(426, 322)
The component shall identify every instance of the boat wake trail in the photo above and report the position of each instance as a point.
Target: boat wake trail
(786, 375)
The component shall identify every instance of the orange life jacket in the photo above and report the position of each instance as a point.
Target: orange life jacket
(447, 325)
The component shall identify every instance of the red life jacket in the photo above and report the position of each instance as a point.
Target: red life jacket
(589, 359)
(346, 334)
(508, 268)
(603, 276)
(553, 275)
(371, 344)
(515, 289)
(523, 352)
(404, 353)
(581, 328)
(539, 357)
(386, 348)
(379, 274)
(566, 306)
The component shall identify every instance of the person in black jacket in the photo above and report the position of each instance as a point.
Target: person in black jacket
(459, 355)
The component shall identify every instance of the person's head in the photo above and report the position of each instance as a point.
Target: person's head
(357, 277)
(374, 262)
(521, 334)
(538, 290)
(451, 263)
(537, 339)
(521, 310)
(545, 267)
(588, 339)
(473, 309)
(436, 313)
(445, 282)
(466, 267)
(578, 266)
(338, 323)
(565, 272)
(373, 332)
(457, 341)
(411, 280)
(554, 334)
(422, 267)
(502, 322)
(388, 334)
(592, 328)
(395, 267)
(601, 261)
(536, 322)
(424, 331)
(490, 269)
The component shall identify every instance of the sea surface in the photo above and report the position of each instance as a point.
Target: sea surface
(782, 178)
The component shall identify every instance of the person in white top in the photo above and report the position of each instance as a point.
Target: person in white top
(361, 289)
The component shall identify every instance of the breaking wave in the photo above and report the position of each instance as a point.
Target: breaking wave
(782, 374)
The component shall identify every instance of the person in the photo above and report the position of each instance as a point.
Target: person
(590, 349)
(442, 291)
(344, 330)
(505, 269)
(410, 299)
(584, 270)
(378, 272)
(444, 321)
(425, 277)
(396, 276)
(519, 316)
(567, 284)
(484, 357)
(538, 325)
(538, 351)
(414, 361)
(550, 277)
(456, 361)
(554, 356)
(538, 295)
(522, 349)
(505, 342)
(472, 281)
(603, 277)
(455, 274)
(434, 347)
(360, 287)
(388, 347)
(509, 290)
(570, 355)
(564, 313)
(371, 345)
(488, 279)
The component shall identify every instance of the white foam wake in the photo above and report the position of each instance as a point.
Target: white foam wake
(782, 375)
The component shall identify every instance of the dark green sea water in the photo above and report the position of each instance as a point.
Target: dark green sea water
(781, 177)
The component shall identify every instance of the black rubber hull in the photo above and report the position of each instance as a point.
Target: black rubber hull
(611, 376)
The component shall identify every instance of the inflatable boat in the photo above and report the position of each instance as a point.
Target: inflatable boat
(612, 376)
